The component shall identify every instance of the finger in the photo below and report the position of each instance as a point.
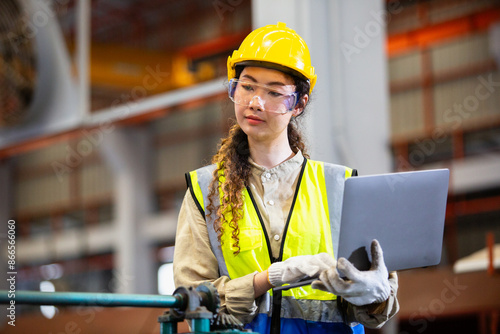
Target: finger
(328, 277)
(346, 267)
(377, 255)
(336, 283)
(326, 260)
(319, 285)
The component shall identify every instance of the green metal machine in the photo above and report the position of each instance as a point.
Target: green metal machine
(199, 306)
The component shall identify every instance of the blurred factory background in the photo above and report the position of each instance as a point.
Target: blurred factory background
(105, 104)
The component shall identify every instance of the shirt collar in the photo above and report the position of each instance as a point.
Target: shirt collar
(284, 167)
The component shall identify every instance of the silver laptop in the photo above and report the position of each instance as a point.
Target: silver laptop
(405, 212)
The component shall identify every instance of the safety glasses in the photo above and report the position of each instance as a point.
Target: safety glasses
(275, 99)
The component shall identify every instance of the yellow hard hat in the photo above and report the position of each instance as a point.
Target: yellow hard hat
(274, 44)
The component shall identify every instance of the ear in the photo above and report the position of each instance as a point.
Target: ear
(299, 108)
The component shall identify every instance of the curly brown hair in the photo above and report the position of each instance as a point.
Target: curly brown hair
(233, 171)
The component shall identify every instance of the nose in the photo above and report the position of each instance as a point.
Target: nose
(256, 103)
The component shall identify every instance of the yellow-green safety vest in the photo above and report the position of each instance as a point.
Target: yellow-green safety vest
(312, 226)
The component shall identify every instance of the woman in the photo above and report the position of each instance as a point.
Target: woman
(264, 215)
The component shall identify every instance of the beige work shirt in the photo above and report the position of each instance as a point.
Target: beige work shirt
(273, 190)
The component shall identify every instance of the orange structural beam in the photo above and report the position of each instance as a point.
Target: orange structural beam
(214, 47)
(473, 206)
(435, 33)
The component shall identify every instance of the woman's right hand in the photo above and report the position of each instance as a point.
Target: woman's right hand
(298, 268)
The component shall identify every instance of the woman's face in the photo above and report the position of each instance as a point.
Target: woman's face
(258, 124)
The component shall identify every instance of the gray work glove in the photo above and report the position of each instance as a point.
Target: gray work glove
(297, 268)
(358, 287)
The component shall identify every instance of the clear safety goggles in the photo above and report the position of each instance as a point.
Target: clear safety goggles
(275, 99)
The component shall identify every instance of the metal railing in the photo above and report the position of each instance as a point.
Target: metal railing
(200, 305)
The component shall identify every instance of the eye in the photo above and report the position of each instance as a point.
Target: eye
(247, 87)
(275, 93)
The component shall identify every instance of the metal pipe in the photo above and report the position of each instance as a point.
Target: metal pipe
(90, 299)
(295, 285)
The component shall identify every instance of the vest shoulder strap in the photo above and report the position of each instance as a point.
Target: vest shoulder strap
(198, 182)
(335, 176)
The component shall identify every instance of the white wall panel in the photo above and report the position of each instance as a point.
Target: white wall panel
(468, 100)
(41, 193)
(464, 52)
(406, 112)
(405, 67)
(96, 181)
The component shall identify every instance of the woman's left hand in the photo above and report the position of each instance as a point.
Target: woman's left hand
(358, 287)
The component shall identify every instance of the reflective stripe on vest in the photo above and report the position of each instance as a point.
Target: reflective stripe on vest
(318, 199)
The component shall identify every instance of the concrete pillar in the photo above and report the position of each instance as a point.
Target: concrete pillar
(348, 120)
(128, 153)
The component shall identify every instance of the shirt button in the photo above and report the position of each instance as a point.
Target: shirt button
(268, 175)
(271, 202)
(276, 237)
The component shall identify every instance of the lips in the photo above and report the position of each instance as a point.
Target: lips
(254, 118)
